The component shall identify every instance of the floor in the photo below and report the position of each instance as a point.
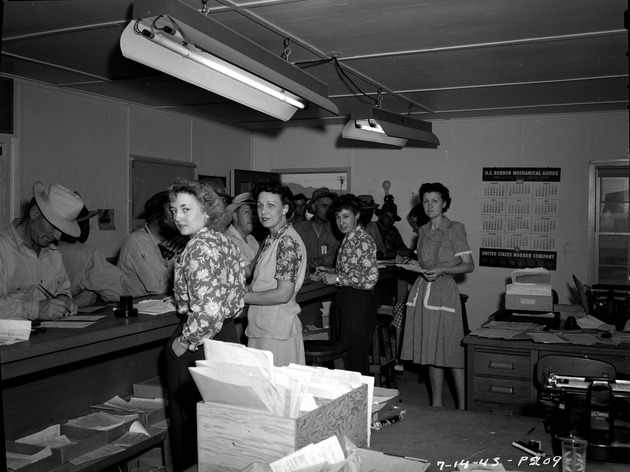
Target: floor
(446, 437)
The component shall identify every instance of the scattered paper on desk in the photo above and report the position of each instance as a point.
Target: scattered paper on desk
(50, 436)
(514, 325)
(65, 324)
(89, 308)
(155, 307)
(583, 339)
(82, 318)
(590, 322)
(495, 333)
(547, 338)
(14, 331)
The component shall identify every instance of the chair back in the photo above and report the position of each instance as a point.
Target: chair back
(582, 291)
(573, 367)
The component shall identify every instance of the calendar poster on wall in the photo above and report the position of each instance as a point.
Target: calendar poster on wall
(519, 214)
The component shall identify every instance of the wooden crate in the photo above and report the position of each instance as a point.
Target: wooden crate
(229, 438)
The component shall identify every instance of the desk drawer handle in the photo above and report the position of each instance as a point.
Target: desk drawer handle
(501, 365)
(503, 390)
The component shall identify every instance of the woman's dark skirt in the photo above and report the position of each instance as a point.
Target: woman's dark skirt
(353, 319)
(183, 397)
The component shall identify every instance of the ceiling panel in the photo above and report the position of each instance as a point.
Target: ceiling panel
(448, 58)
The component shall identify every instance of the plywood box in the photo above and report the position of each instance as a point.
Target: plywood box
(528, 302)
(230, 438)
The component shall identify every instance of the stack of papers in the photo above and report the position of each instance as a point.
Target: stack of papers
(155, 307)
(236, 375)
(530, 282)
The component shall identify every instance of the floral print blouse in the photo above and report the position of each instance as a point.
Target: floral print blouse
(289, 256)
(209, 284)
(356, 261)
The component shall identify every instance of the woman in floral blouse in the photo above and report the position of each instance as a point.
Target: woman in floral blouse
(273, 322)
(209, 292)
(356, 273)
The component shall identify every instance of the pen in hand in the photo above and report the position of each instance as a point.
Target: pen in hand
(45, 291)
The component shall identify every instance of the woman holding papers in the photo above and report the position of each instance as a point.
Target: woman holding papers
(356, 273)
(209, 288)
(273, 322)
(433, 329)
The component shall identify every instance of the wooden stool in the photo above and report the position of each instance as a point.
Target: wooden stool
(320, 352)
(382, 360)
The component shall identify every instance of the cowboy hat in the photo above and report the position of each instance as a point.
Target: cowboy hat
(367, 201)
(321, 193)
(241, 199)
(60, 206)
(389, 208)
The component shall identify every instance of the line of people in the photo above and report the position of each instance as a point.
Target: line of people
(204, 252)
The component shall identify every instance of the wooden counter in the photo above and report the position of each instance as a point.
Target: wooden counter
(58, 374)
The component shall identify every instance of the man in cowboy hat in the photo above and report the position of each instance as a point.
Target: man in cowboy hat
(147, 256)
(92, 277)
(393, 241)
(33, 281)
(318, 234)
(365, 218)
(243, 214)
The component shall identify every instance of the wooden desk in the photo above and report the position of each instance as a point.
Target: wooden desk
(500, 373)
(58, 374)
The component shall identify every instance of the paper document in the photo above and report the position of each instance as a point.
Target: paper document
(65, 324)
(412, 268)
(13, 331)
(547, 338)
(154, 307)
(496, 333)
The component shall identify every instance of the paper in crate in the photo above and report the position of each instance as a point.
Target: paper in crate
(530, 290)
(253, 411)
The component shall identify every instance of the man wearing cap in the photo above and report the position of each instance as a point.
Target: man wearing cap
(243, 215)
(393, 241)
(365, 218)
(147, 256)
(33, 281)
(319, 237)
(92, 278)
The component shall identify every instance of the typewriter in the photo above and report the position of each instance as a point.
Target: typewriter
(595, 409)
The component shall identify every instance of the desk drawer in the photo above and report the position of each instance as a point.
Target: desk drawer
(502, 390)
(502, 364)
(508, 409)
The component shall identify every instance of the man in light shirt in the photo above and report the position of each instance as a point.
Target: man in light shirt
(243, 214)
(147, 255)
(33, 281)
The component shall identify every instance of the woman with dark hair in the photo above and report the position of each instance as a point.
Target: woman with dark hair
(433, 329)
(273, 322)
(209, 292)
(356, 273)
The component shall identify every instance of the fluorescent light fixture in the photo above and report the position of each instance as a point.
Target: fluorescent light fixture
(177, 39)
(369, 130)
(404, 126)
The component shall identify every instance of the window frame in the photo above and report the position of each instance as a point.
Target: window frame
(597, 168)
